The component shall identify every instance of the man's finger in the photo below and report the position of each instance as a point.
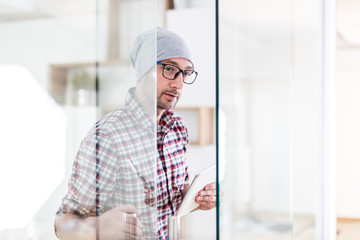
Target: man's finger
(209, 193)
(207, 204)
(205, 199)
(133, 226)
(210, 186)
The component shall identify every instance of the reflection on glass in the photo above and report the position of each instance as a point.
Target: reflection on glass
(114, 172)
(58, 49)
(38, 35)
(33, 132)
(112, 188)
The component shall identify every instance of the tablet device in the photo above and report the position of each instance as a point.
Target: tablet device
(200, 180)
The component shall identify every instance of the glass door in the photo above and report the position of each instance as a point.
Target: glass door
(195, 22)
(255, 137)
(276, 113)
(80, 141)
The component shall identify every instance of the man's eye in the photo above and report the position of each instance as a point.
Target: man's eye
(188, 73)
(169, 69)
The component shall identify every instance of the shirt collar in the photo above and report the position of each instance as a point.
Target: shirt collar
(167, 120)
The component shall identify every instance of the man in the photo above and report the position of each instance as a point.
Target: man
(112, 192)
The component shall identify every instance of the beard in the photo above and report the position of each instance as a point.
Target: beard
(165, 104)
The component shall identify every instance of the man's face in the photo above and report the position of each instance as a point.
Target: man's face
(169, 91)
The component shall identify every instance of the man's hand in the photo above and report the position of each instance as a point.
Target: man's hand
(112, 225)
(207, 197)
(117, 224)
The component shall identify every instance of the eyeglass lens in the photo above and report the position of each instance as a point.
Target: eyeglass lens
(172, 72)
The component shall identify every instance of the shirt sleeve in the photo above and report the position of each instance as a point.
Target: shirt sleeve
(93, 177)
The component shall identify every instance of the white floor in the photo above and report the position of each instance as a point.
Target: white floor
(271, 227)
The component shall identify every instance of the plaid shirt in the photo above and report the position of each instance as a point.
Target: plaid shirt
(115, 166)
(172, 174)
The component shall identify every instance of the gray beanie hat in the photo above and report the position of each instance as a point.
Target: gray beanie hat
(168, 45)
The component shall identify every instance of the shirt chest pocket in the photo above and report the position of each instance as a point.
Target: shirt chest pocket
(131, 183)
(176, 167)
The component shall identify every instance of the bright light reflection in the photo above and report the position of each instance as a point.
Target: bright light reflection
(32, 143)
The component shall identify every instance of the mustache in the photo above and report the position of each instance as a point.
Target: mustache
(174, 92)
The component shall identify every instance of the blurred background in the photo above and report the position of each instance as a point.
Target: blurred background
(269, 107)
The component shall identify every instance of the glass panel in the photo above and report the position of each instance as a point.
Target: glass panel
(39, 40)
(255, 111)
(194, 21)
(347, 119)
(306, 116)
(113, 179)
(64, 65)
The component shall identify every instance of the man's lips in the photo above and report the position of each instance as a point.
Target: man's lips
(170, 96)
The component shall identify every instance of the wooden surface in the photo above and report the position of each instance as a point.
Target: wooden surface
(348, 229)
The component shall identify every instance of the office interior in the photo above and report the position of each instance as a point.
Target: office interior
(284, 142)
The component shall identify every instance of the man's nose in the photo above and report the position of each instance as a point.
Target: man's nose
(178, 81)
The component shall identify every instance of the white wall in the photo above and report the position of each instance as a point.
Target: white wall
(267, 78)
(262, 58)
(278, 78)
(348, 133)
(38, 43)
(199, 33)
(305, 107)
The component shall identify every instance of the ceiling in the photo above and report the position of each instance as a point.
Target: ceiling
(348, 17)
(348, 22)
(18, 10)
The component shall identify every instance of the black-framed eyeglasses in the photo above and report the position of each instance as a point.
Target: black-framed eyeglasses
(171, 72)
